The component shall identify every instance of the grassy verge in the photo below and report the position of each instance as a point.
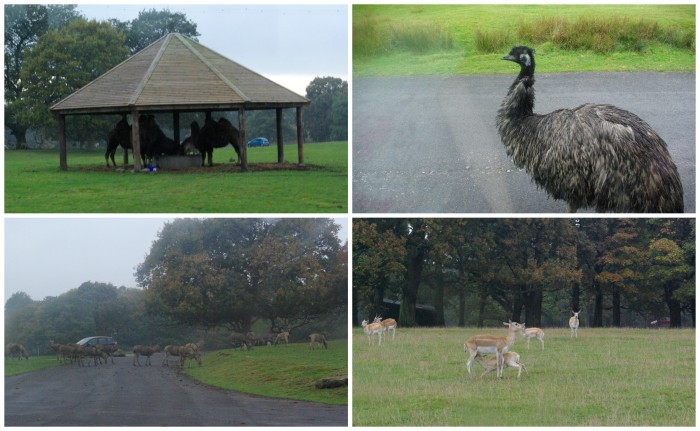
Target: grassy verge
(280, 372)
(469, 39)
(606, 377)
(13, 366)
(34, 184)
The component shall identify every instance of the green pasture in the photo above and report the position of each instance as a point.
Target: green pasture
(279, 371)
(605, 377)
(284, 371)
(14, 366)
(470, 39)
(35, 184)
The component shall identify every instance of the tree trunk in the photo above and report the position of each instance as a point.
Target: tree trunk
(674, 306)
(20, 133)
(533, 308)
(461, 307)
(438, 285)
(576, 297)
(517, 303)
(355, 310)
(616, 307)
(598, 308)
(414, 261)
(407, 314)
(377, 306)
(483, 296)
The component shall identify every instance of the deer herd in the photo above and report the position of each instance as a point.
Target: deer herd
(483, 344)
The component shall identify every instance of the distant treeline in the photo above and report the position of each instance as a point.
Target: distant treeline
(618, 272)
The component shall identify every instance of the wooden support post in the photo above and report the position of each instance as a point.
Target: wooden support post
(242, 143)
(63, 153)
(135, 141)
(280, 143)
(176, 128)
(126, 150)
(300, 136)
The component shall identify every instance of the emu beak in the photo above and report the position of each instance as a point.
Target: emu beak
(510, 58)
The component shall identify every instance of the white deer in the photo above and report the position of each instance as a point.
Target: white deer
(533, 333)
(511, 359)
(487, 343)
(573, 323)
(388, 325)
(372, 329)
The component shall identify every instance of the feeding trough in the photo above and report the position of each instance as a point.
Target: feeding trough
(179, 162)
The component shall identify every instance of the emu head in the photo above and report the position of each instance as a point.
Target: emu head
(524, 57)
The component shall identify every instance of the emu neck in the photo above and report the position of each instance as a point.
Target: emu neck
(520, 101)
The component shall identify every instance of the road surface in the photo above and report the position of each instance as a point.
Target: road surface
(429, 144)
(124, 395)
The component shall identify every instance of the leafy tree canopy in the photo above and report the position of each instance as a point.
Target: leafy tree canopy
(233, 272)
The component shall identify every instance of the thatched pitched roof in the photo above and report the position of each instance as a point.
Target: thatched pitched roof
(177, 73)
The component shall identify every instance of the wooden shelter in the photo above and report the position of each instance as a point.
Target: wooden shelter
(176, 74)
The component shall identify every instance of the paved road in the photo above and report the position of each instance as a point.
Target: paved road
(430, 144)
(124, 395)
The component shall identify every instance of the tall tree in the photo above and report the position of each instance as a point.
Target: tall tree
(24, 25)
(232, 272)
(377, 262)
(672, 264)
(416, 233)
(61, 62)
(322, 120)
(151, 25)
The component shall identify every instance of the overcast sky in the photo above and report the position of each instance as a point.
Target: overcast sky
(289, 44)
(50, 256)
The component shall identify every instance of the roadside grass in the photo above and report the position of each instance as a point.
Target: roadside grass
(279, 371)
(34, 184)
(605, 377)
(13, 366)
(567, 38)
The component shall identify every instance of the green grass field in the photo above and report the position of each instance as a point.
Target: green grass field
(450, 39)
(279, 372)
(14, 366)
(605, 377)
(34, 184)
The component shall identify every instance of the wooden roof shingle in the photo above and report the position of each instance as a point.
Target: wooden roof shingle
(177, 73)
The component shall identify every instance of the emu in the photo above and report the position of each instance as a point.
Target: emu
(597, 156)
